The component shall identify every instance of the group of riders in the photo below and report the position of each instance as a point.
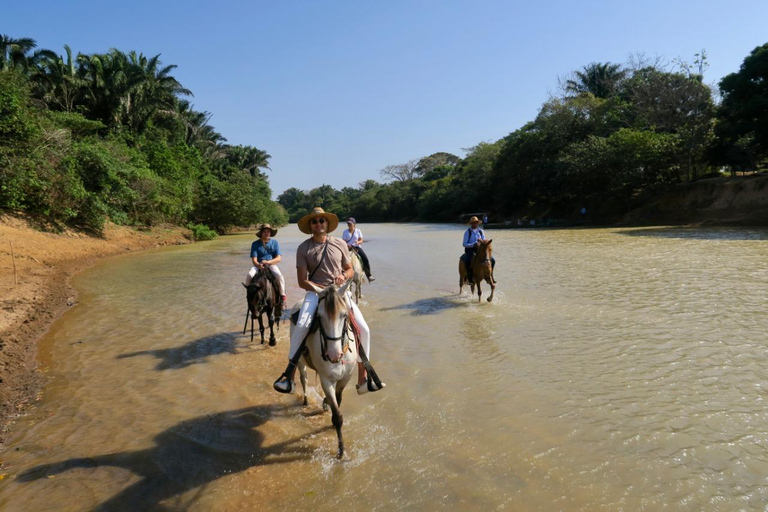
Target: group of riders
(323, 260)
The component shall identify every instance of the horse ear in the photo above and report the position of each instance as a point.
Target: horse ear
(344, 287)
(317, 289)
(489, 241)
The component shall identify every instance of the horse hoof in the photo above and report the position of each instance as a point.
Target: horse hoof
(272, 342)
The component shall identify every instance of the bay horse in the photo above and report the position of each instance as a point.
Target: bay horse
(482, 270)
(331, 351)
(263, 298)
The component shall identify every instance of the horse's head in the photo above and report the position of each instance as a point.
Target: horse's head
(334, 321)
(257, 292)
(484, 251)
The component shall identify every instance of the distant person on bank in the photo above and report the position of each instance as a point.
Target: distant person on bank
(354, 238)
(265, 253)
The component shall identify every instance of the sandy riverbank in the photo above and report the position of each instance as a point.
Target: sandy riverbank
(39, 292)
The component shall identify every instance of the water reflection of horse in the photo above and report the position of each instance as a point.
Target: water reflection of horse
(482, 270)
(263, 298)
(331, 351)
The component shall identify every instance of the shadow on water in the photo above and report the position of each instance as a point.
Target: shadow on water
(187, 456)
(713, 233)
(431, 306)
(194, 352)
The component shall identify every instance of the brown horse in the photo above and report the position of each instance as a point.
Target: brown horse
(482, 270)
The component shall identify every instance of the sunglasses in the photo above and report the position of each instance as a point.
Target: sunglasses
(317, 221)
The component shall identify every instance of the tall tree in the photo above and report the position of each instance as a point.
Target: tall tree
(13, 52)
(602, 80)
(744, 109)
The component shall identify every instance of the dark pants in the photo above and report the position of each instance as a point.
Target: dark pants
(467, 257)
(366, 263)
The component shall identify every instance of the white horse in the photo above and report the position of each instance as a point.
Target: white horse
(331, 351)
(357, 279)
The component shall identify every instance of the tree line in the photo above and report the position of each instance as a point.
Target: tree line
(113, 136)
(611, 136)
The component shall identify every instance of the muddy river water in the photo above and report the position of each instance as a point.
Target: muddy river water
(616, 369)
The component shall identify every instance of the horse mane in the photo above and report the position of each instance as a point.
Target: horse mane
(334, 303)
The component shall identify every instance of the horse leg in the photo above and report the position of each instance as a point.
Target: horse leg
(493, 288)
(245, 325)
(253, 314)
(261, 326)
(272, 339)
(337, 419)
(479, 291)
(303, 378)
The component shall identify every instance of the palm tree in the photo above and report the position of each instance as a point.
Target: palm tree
(600, 80)
(58, 82)
(248, 158)
(152, 88)
(13, 52)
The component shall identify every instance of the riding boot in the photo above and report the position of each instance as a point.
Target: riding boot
(285, 383)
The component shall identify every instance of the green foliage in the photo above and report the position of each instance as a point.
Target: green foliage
(15, 122)
(90, 138)
(743, 124)
(202, 232)
(235, 199)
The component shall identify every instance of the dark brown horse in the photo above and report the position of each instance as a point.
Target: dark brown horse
(263, 298)
(482, 270)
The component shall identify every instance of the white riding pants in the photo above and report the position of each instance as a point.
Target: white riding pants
(276, 271)
(307, 312)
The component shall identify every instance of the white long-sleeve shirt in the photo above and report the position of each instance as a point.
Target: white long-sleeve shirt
(471, 236)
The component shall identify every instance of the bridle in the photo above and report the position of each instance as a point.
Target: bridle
(487, 259)
(324, 338)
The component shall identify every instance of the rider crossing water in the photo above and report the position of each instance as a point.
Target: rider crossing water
(323, 260)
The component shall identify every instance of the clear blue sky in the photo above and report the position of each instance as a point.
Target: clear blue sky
(336, 90)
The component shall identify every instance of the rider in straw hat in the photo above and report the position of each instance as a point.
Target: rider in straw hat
(322, 260)
(266, 253)
(471, 237)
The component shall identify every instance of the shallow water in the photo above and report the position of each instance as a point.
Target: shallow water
(616, 369)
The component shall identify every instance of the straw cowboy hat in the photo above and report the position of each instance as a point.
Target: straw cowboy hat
(331, 219)
(474, 220)
(262, 227)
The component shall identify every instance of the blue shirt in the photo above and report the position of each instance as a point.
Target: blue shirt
(471, 236)
(268, 251)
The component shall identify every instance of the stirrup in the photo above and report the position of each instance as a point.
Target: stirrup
(284, 385)
(369, 386)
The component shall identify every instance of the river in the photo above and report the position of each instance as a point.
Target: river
(616, 369)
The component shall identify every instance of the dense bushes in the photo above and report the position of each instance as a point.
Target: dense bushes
(108, 138)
